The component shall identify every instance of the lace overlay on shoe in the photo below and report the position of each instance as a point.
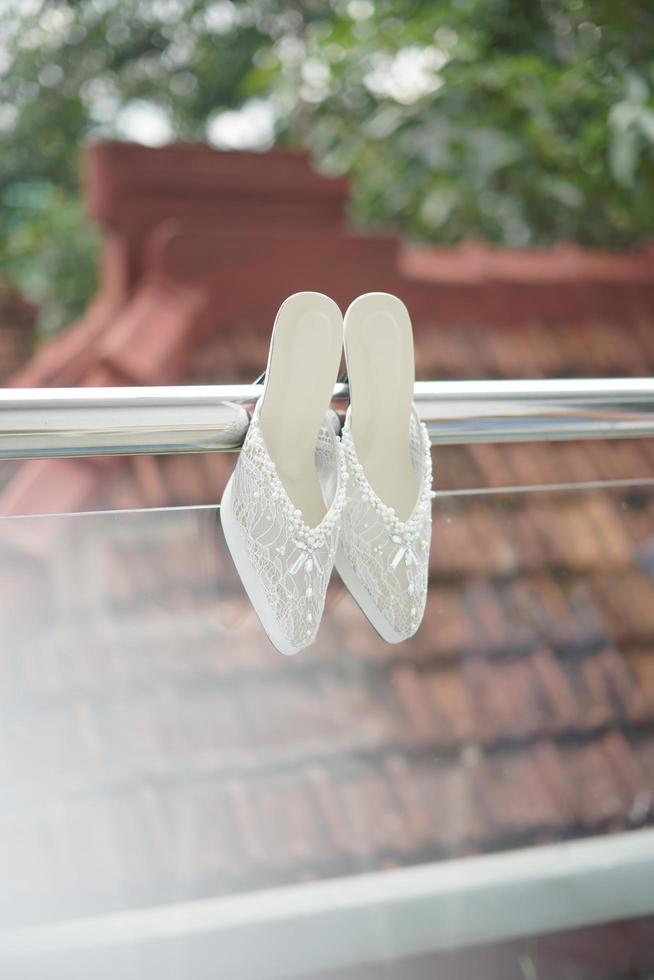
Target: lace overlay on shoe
(293, 561)
(390, 557)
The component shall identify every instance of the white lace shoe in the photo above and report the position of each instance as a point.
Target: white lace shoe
(281, 509)
(383, 552)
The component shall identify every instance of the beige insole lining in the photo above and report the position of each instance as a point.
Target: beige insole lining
(381, 371)
(302, 370)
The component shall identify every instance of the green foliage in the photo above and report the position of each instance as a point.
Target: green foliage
(522, 123)
(534, 122)
(49, 251)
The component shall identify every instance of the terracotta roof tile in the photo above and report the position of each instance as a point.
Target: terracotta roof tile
(593, 693)
(575, 464)
(627, 604)
(489, 460)
(624, 685)
(447, 354)
(642, 663)
(419, 720)
(446, 627)
(453, 705)
(373, 814)
(527, 538)
(417, 816)
(628, 770)
(455, 468)
(217, 470)
(493, 538)
(553, 614)
(645, 751)
(122, 491)
(599, 796)
(548, 760)
(521, 800)
(603, 514)
(526, 466)
(500, 713)
(555, 689)
(150, 481)
(457, 553)
(186, 480)
(454, 797)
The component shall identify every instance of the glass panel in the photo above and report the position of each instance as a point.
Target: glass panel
(155, 748)
(54, 486)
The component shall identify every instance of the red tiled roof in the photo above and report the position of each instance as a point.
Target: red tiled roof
(182, 756)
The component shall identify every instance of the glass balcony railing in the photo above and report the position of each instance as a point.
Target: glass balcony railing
(180, 800)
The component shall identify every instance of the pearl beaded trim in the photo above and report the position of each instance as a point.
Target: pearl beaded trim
(310, 537)
(404, 531)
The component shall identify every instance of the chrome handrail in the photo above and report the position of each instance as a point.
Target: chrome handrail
(45, 422)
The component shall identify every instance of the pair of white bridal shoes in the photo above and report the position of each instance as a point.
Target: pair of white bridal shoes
(301, 501)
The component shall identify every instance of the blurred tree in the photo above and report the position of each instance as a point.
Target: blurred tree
(522, 123)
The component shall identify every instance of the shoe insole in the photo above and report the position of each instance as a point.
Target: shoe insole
(305, 353)
(381, 372)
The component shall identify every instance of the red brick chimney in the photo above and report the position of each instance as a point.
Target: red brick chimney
(131, 189)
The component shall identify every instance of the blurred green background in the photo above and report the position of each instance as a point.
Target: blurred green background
(522, 122)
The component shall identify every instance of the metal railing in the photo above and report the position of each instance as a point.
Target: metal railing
(116, 421)
(374, 918)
